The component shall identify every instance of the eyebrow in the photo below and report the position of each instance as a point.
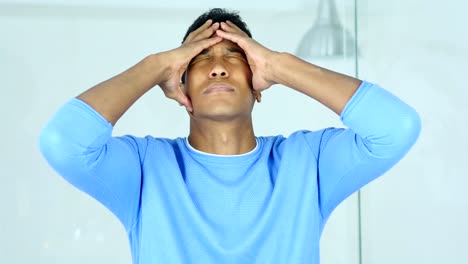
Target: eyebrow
(230, 49)
(235, 49)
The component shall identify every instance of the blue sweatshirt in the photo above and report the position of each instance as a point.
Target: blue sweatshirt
(180, 205)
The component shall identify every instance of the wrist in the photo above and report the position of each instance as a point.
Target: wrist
(274, 67)
(157, 66)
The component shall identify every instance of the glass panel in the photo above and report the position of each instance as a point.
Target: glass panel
(333, 38)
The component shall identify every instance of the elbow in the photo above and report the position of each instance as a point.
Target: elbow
(402, 135)
(49, 145)
(56, 150)
(409, 128)
(73, 138)
(397, 138)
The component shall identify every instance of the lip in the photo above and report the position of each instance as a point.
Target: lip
(218, 87)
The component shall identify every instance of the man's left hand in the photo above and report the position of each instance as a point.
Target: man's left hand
(260, 58)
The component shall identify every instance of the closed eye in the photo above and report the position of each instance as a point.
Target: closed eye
(235, 51)
(199, 58)
(236, 56)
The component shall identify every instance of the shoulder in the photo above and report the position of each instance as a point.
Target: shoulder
(149, 140)
(301, 139)
(148, 144)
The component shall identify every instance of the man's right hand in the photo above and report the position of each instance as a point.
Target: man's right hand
(178, 60)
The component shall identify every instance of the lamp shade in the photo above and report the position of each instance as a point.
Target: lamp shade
(327, 37)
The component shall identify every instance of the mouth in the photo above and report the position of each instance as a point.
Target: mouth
(218, 88)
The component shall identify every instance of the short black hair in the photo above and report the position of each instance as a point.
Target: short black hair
(218, 15)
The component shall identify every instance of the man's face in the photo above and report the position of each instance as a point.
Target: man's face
(219, 83)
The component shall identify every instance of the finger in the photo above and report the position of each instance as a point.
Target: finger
(236, 28)
(203, 27)
(225, 27)
(207, 32)
(204, 44)
(236, 38)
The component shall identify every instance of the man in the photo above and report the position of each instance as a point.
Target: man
(224, 195)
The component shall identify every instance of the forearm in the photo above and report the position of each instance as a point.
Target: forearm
(113, 97)
(330, 88)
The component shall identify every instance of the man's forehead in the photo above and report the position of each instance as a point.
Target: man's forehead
(226, 45)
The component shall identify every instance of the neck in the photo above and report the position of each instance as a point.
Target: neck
(222, 137)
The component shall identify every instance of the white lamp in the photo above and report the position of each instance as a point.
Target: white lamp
(327, 37)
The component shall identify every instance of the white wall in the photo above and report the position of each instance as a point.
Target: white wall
(418, 212)
(51, 53)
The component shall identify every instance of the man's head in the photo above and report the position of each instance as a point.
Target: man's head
(219, 80)
(218, 15)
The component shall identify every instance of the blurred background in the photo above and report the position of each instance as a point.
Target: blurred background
(52, 50)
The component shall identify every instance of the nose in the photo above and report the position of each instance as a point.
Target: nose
(218, 71)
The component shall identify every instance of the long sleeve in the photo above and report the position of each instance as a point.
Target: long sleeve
(77, 143)
(381, 130)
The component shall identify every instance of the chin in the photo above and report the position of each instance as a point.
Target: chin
(222, 109)
(220, 113)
